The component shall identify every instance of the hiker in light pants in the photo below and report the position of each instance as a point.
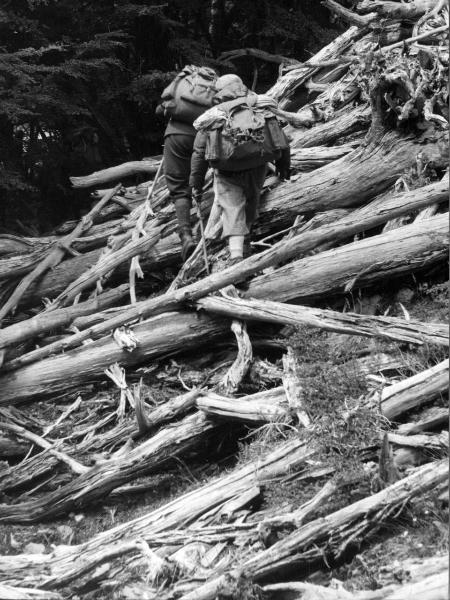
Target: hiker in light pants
(237, 192)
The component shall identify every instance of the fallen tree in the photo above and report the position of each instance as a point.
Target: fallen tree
(367, 217)
(327, 537)
(349, 323)
(414, 391)
(391, 254)
(55, 570)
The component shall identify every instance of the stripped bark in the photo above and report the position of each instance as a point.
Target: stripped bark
(368, 217)
(414, 391)
(391, 254)
(147, 166)
(328, 536)
(56, 570)
(393, 328)
(268, 406)
(54, 257)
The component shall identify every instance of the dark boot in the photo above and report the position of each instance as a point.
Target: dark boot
(183, 210)
(187, 243)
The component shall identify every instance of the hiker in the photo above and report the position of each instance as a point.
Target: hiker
(238, 138)
(187, 97)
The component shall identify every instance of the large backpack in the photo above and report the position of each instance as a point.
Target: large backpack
(190, 94)
(245, 138)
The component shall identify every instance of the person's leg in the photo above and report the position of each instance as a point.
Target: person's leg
(177, 165)
(231, 198)
(253, 181)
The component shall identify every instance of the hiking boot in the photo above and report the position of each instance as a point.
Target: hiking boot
(187, 243)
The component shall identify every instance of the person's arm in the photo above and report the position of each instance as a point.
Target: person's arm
(199, 165)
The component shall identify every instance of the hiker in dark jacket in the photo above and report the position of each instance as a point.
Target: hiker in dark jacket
(237, 192)
(178, 146)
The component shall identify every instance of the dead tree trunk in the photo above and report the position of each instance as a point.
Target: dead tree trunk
(358, 264)
(376, 213)
(147, 166)
(326, 536)
(57, 570)
(410, 393)
(414, 332)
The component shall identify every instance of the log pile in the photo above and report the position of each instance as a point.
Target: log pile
(365, 207)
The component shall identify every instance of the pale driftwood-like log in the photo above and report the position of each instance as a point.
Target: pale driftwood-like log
(162, 335)
(395, 10)
(8, 592)
(268, 406)
(44, 322)
(357, 265)
(73, 464)
(289, 82)
(238, 370)
(310, 158)
(147, 166)
(98, 481)
(105, 265)
(393, 328)
(343, 123)
(313, 539)
(293, 388)
(430, 419)
(56, 570)
(354, 265)
(433, 587)
(54, 257)
(368, 217)
(410, 393)
(353, 179)
(348, 15)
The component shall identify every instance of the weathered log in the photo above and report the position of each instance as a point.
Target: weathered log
(431, 587)
(54, 257)
(260, 54)
(328, 536)
(293, 388)
(289, 82)
(353, 179)
(98, 481)
(359, 264)
(343, 123)
(430, 419)
(163, 335)
(307, 158)
(8, 592)
(393, 328)
(44, 322)
(425, 386)
(348, 15)
(270, 405)
(59, 569)
(114, 173)
(368, 217)
(395, 10)
(107, 264)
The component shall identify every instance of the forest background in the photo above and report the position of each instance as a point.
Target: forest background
(79, 83)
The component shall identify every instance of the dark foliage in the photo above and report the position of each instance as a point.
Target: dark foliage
(79, 83)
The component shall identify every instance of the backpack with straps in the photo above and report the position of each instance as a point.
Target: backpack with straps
(190, 94)
(246, 137)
